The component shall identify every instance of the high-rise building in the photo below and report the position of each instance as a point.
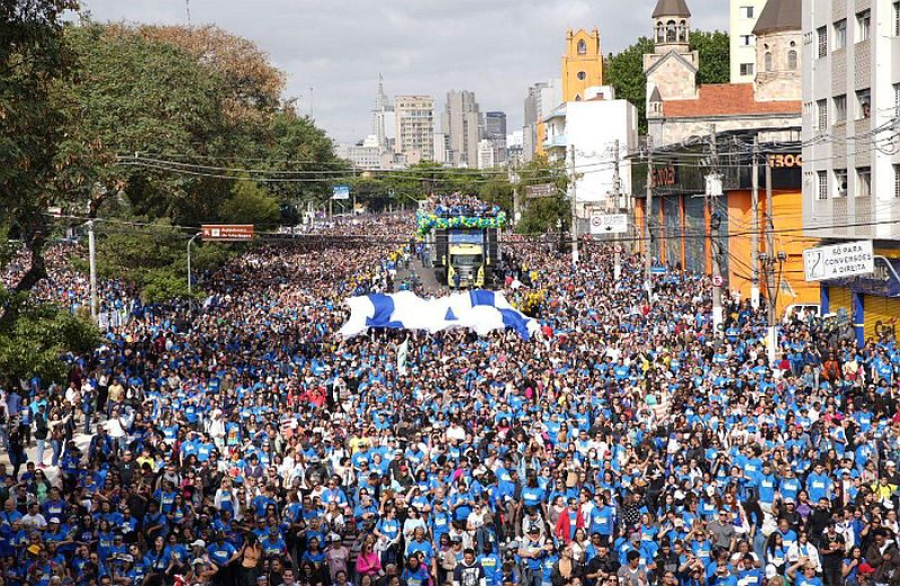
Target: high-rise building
(744, 14)
(383, 117)
(851, 166)
(495, 132)
(542, 98)
(462, 122)
(495, 125)
(415, 127)
(582, 65)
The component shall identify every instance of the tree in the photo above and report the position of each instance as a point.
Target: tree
(715, 56)
(41, 335)
(250, 204)
(34, 59)
(542, 215)
(625, 70)
(498, 191)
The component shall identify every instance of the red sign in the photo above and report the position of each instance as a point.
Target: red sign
(227, 232)
(717, 281)
(617, 248)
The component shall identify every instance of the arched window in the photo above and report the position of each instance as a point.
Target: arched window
(582, 47)
(682, 32)
(671, 32)
(792, 60)
(660, 32)
(768, 62)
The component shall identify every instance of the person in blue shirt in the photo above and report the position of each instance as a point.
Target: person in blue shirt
(221, 552)
(806, 576)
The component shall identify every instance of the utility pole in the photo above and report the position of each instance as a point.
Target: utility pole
(770, 277)
(92, 253)
(617, 194)
(716, 271)
(574, 230)
(648, 214)
(191, 241)
(754, 237)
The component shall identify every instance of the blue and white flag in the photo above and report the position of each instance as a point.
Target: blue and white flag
(478, 310)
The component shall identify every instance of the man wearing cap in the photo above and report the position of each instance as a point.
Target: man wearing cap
(532, 552)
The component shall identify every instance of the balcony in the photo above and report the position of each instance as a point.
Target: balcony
(556, 141)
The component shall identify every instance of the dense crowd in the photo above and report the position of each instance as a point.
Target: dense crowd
(630, 444)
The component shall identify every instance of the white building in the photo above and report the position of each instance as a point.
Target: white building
(743, 16)
(414, 116)
(589, 129)
(542, 98)
(851, 97)
(851, 159)
(366, 155)
(487, 154)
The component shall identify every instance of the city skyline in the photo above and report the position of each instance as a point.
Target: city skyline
(463, 46)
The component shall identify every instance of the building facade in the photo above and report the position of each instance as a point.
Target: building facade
(582, 65)
(542, 98)
(678, 108)
(383, 123)
(585, 133)
(742, 42)
(462, 123)
(851, 187)
(415, 128)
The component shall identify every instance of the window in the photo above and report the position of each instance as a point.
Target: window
(822, 37)
(746, 12)
(581, 75)
(748, 40)
(823, 185)
(840, 183)
(792, 60)
(840, 34)
(670, 31)
(897, 99)
(746, 69)
(896, 181)
(863, 181)
(822, 115)
(863, 104)
(582, 47)
(897, 19)
(840, 108)
(863, 24)
(768, 62)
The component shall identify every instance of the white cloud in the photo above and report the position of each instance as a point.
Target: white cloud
(496, 48)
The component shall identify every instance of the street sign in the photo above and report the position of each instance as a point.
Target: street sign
(717, 281)
(340, 192)
(838, 261)
(617, 248)
(609, 223)
(226, 232)
(541, 190)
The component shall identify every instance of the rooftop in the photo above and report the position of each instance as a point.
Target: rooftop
(727, 99)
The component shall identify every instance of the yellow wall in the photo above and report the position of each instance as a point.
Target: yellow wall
(788, 224)
(881, 313)
(541, 136)
(590, 62)
(840, 298)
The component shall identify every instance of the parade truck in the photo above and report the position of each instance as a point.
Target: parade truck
(463, 250)
(466, 258)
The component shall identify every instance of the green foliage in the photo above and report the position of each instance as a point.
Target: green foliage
(715, 56)
(498, 191)
(250, 204)
(42, 333)
(156, 262)
(541, 215)
(625, 70)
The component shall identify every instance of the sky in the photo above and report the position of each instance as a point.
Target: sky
(496, 48)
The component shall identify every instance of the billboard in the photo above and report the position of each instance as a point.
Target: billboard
(542, 190)
(838, 261)
(226, 232)
(340, 192)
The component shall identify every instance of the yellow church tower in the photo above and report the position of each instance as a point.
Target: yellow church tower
(582, 65)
